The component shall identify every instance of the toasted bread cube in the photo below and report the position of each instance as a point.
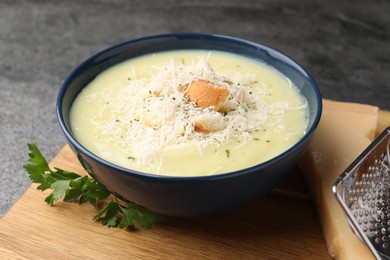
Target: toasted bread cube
(205, 94)
(210, 122)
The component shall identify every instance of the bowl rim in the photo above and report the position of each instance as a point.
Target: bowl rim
(150, 176)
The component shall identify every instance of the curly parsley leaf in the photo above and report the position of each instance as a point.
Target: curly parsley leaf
(140, 215)
(59, 188)
(108, 215)
(73, 187)
(129, 214)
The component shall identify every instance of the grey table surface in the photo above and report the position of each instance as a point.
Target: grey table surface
(343, 44)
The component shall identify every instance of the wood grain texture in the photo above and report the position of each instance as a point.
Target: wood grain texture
(281, 225)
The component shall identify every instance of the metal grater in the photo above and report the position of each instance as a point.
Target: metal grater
(363, 190)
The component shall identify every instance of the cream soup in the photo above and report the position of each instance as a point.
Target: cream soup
(141, 114)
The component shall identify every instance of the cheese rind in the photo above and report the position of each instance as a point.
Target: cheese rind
(344, 131)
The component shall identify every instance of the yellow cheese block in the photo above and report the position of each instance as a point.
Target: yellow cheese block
(344, 131)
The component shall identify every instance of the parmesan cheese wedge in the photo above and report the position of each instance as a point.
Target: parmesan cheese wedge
(344, 131)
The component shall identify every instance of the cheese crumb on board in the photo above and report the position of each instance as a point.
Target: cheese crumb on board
(344, 131)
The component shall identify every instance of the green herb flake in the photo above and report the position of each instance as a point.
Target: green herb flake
(227, 81)
(227, 151)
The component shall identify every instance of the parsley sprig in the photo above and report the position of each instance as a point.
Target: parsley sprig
(73, 187)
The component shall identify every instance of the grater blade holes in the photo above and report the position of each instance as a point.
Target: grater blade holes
(369, 202)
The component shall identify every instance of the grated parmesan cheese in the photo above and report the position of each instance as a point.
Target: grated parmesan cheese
(150, 114)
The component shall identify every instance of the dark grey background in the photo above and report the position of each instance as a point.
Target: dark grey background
(343, 44)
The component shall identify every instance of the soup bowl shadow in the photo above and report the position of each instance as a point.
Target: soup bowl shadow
(188, 196)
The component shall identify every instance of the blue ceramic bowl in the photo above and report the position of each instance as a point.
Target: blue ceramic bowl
(188, 196)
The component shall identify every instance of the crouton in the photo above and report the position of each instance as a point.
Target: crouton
(210, 122)
(205, 94)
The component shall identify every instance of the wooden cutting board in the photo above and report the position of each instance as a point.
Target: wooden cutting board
(281, 225)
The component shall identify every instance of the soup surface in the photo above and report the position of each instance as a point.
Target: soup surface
(189, 113)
